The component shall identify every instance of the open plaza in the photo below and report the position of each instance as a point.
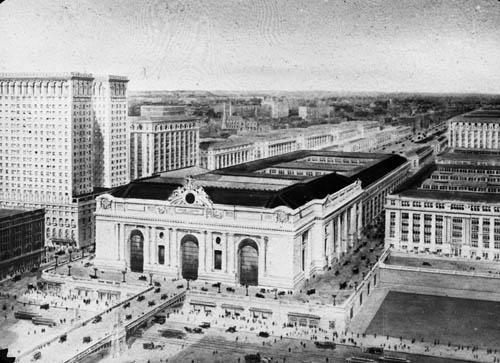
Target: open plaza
(234, 317)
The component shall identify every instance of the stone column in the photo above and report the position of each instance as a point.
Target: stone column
(266, 241)
(226, 262)
(338, 237)
(203, 253)
(120, 242)
(147, 246)
(360, 219)
(168, 239)
(176, 257)
(345, 237)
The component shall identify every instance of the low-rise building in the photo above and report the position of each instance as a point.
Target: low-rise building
(22, 240)
(450, 207)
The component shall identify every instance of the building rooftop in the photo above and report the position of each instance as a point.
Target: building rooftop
(161, 119)
(412, 187)
(244, 185)
(481, 116)
(10, 212)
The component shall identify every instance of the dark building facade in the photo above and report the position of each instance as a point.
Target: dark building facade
(21, 240)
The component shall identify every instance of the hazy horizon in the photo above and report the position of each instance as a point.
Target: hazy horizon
(374, 46)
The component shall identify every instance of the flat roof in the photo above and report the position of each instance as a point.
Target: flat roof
(480, 116)
(244, 185)
(411, 188)
(11, 212)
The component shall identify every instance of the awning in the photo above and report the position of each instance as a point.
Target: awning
(83, 288)
(260, 310)
(234, 307)
(114, 292)
(307, 316)
(204, 303)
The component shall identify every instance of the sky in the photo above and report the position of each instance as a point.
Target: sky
(333, 45)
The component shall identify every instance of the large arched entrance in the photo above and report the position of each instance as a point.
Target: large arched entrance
(189, 257)
(136, 251)
(248, 258)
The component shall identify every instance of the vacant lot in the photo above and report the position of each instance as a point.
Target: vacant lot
(459, 321)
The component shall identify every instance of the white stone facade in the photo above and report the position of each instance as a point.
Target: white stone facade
(290, 245)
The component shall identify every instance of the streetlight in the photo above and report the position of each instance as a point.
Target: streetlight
(150, 279)
(218, 285)
(123, 273)
(83, 251)
(334, 297)
(95, 272)
(187, 284)
(246, 287)
(69, 256)
(69, 270)
(275, 294)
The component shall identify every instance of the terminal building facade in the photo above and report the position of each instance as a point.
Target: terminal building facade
(269, 223)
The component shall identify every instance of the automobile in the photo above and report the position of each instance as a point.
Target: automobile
(325, 345)
(16, 278)
(157, 290)
(140, 298)
(126, 305)
(37, 355)
(157, 284)
(97, 319)
(374, 350)
(392, 359)
(263, 334)
(360, 360)
(164, 297)
(44, 306)
(63, 338)
(425, 263)
(151, 303)
(160, 319)
(252, 358)
(60, 253)
(143, 278)
(205, 325)
(188, 329)
(87, 339)
(87, 264)
(128, 317)
(198, 330)
(231, 329)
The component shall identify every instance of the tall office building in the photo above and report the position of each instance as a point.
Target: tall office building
(110, 131)
(162, 138)
(47, 155)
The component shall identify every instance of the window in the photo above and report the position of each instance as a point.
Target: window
(305, 237)
(161, 255)
(217, 260)
(456, 228)
(392, 225)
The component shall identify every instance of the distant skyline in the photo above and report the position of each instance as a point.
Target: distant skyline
(367, 46)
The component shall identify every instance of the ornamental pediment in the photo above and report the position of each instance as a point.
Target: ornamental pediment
(190, 194)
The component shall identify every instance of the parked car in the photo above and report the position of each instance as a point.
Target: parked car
(97, 319)
(205, 325)
(263, 334)
(231, 329)
(87, 339)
